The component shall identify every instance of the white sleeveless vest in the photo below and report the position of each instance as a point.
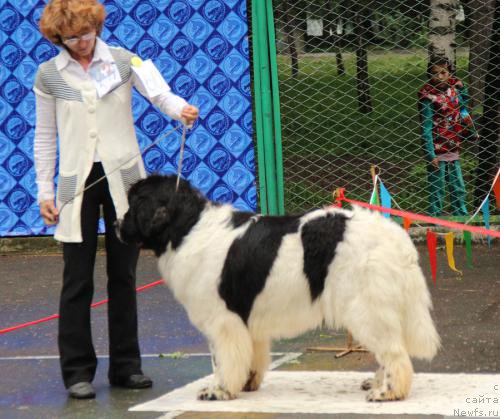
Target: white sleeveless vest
(86, 123)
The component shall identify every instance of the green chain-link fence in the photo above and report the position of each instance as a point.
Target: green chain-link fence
(348, 76)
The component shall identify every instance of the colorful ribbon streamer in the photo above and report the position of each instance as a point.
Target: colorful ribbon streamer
(496, 188)
(468, 248)
(485, 208)
(449, 238)
(385, 197)
(431, 247)
(406, 223)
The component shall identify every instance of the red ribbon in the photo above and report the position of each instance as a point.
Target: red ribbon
(431, 246)
(56, 316)
(450, 224)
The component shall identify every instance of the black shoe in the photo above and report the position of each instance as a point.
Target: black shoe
(134, 381)
(82, 390)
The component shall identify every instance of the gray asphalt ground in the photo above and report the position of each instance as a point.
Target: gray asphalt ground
(467, 314)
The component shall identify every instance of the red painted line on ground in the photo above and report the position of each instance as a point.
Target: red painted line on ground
(56, 316)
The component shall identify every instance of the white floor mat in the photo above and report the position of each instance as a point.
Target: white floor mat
(339, 392)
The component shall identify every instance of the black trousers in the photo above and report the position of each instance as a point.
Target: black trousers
(77, 354)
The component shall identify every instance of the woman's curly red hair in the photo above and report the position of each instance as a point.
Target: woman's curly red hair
(71, 16)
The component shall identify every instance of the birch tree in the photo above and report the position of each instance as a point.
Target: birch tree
(442, 23)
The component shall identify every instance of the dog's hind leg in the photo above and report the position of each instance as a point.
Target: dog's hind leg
(376, 381)
(260, 361)
(394, 381)
(379, 330)
(231, 347)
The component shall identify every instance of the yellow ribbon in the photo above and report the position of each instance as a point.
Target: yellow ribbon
(449, 251)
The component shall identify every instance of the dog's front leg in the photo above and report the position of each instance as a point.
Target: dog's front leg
(260, 362)
(231, 348)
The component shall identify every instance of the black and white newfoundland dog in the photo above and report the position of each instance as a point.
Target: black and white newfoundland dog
(246, 279)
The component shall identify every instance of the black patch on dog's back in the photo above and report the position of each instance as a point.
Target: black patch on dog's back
(249, 261)
(320, 237)
(239, 218)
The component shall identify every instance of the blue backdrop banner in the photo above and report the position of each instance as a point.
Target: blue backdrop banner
(200, 47)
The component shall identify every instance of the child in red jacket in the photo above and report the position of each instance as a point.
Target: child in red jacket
(444, 122)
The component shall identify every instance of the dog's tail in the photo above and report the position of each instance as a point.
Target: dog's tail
(421, 337)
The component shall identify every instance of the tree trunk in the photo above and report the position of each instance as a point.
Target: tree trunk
(490, 121)
(340, 62)
(442, 22)
(290, 38)
(362, 82)
(481, 18)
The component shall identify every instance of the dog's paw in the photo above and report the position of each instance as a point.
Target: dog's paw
(379, 395)
(253, 382)
(214, 393)
(367, 384)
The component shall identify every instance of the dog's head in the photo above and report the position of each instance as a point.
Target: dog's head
(159, 214)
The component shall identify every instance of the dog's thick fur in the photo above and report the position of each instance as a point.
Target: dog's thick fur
(246, 279)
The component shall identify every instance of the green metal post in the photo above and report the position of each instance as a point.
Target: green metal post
(265, 108)
(256, 35)
(278, 150)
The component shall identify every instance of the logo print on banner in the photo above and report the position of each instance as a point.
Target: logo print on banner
(234, 140)
(219, 84)
(114, 15)
(198, 29)
(152, 123)
(35, 15)
(203, 178)
(25, 72)
(18, 164)
(6, 182)
(9, 19)
(145, 14)
(25, 36)
(148, 48)
(13, 91)
(238, 178)
(184, 85)
(200, 66)
(233, 65)
(242, 10)
(15, 127)
(19, 200)
(251, 197)
(217, 123)
(179, 12)
(249, 159)
(244, 85)
(222, 194)
(201, 142)
(214, 11)
(247, 123)
(189, 162)
(11, 55)
(219, 160)
(154, 159)
(232, 28)
(182, 49)
(244, 48)
(43, 51)
(216, 47)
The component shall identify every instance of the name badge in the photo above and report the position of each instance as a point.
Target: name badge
(149, 77)
(105, 77)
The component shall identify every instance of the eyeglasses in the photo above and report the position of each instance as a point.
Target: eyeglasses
(71, 42)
